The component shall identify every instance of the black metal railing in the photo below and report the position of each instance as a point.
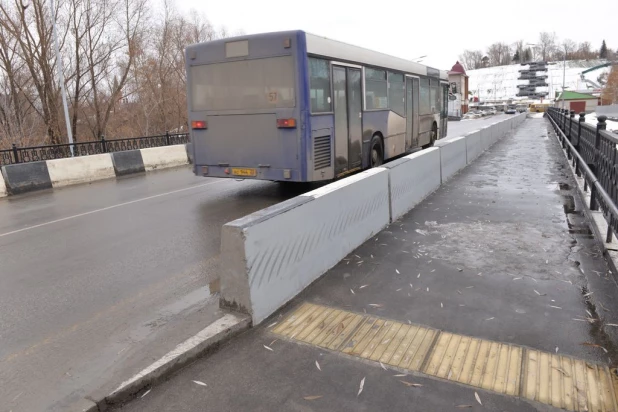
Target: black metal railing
(60, 151)
(594, 155)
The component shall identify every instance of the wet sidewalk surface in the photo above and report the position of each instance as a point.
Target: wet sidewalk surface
(491, 294)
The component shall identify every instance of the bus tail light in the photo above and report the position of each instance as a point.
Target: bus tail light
(199, 124)
(286, 123)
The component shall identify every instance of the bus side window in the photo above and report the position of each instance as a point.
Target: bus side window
(319, 84)
(376, 95)
(424, 105)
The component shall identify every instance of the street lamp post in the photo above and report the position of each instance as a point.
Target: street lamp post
(61, 77)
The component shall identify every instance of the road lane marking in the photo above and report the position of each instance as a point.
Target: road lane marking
(558, 380)
(109, 207)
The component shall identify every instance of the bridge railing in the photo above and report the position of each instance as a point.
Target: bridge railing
(59, 151)
(594, 155)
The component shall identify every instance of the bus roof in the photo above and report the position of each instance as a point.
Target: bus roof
(336, 49)
(344, 52)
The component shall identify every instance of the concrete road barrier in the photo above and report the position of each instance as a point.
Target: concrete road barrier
(473, 145)
(452, 156)
(270, 256)
(26, 177)
(411, 179)
(82, 169)
(488, 133)
(129, 162)
(3, 191)
(164, 157)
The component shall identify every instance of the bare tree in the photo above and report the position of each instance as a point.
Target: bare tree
(568, 48)
(499, 54)
(471, 59)
(547, 45)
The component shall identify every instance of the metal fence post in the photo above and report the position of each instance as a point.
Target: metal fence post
(15, 154)
(167, 137)
(582, 119)
(103, 144)
(601, 125)
(571, 117)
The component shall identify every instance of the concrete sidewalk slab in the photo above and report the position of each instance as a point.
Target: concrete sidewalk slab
(501, 253)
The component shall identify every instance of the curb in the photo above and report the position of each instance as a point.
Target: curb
(205, 342)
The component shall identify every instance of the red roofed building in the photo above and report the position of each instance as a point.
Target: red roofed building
(458, 80)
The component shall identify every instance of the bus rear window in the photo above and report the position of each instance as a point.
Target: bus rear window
(244, 85)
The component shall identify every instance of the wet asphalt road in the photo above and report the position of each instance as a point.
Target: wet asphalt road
(96, 280)
(501, 252)
(91, 275)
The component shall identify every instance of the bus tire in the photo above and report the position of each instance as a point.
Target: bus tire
(433, 137)
(376, 151)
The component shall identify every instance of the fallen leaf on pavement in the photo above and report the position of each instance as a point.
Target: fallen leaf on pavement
(400, 375)
(383, 367)
(397, 271)
(376, 305)
(441, 305)
(611, 324)
(270, 349)
(460, 269)
(463, 406)
(312, 398)
(199, 383)
(272, 324)
(478, 399)
(556, 349)
(540, 294)
(146, 393)
(459, 291)
(362, 385)
(364, 286)
(351, 290)
(490, 318)
(555, 307)
(410, 384)
(317, 365)
(594, 345)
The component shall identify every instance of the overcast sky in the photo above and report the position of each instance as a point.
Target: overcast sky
(412, 28)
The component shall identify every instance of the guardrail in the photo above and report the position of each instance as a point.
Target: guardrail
(60, 151)
(594, 154)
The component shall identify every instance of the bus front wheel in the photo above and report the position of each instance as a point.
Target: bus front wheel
(376, 152)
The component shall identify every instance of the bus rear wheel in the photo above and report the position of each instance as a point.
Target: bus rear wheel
(433, 137)
(376, 152)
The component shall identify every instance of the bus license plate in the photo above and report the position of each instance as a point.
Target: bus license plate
(244, 172)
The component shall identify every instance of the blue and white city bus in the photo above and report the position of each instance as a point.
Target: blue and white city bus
(293, 106)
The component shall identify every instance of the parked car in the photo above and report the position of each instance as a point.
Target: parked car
(492, 111)
(511, 110)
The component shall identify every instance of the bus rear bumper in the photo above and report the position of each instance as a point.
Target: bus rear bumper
(259, 173)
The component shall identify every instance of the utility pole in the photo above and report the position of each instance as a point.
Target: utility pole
(564, 69)
(61, 77)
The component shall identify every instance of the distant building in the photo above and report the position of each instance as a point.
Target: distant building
(458, 80)
(579, 102)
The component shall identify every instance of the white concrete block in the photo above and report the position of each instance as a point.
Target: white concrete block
(412, 178)
(3, 192)
(488, 135)
(163, 157)
(83, 169)
(270, 256)
(452, 157)
(473, 145)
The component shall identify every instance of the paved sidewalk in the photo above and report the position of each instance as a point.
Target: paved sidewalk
(493, 287)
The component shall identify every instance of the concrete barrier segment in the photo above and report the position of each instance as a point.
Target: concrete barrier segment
(411, 179)
(270, 256)
(129, 162)
(81, 169)
(26, 177)
(164, 157)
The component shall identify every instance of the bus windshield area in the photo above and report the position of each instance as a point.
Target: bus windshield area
(244, 85)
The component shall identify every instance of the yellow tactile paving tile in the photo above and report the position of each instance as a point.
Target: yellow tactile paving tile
(548, 378)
